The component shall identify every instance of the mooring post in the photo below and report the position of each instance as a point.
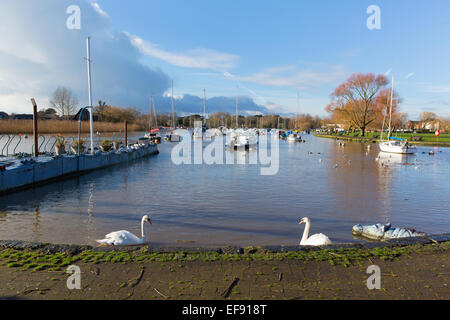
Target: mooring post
(35, 128)
(126, 133)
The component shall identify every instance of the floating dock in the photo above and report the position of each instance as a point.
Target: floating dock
(17, 174)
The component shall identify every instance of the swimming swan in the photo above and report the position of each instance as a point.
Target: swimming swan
(125, 238)
(318, 239)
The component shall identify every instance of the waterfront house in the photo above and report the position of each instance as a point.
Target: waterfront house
(84, 117)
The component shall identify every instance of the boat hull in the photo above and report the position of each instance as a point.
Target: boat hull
(399, 149)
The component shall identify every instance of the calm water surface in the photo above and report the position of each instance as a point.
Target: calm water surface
(211, 205)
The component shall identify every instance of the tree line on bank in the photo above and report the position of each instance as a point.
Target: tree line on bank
(361, 103)
(64, 105)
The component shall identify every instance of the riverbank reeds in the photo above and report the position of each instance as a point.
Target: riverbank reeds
(9, 126)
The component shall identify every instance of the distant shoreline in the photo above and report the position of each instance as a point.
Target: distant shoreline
(61, 126)
(375, 140)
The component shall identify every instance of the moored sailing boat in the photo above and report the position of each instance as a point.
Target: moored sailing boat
(393, 144)
(153, 133)
(172, 136)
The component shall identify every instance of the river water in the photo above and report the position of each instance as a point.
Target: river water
(233, 204)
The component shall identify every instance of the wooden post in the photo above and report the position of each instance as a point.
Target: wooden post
(126, 133)
(35, 128)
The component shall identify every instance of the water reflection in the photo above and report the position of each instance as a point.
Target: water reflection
(356, 182)
(36, 224)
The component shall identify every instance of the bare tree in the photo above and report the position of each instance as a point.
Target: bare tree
(100, 109)
(64, 101)
(354, 101)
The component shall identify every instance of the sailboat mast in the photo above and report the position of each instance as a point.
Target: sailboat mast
(204, 106)
(156, 118)
(173, 109)
(296, 111)
(390, 108)
(91, 108)
(150, 118)
(237, 101)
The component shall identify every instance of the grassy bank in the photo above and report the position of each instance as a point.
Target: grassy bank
(415, 271)
(428, 139)
(59, 126)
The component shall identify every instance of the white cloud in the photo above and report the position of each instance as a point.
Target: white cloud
(169, 94)
(194, 58)
(99, 10)
(38, 53)
(409, 75)
(437, 89)
(388, 72)
(289, 76)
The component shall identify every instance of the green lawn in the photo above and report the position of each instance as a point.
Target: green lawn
(425, 136)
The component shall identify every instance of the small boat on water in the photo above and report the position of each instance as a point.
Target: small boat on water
(242, 141)
(171, 137)
(393, 144)
(153, 135)
(293, 137)
(198, 133)
(397, 145)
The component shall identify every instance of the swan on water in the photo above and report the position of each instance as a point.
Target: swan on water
(125, 238)
(318, 239)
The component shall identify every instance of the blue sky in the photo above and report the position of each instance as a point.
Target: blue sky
(274, 49)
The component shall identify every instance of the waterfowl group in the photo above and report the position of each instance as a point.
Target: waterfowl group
(126, 238)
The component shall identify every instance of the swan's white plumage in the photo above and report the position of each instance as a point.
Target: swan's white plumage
(124, 237)
(120, 238)
(318, 239)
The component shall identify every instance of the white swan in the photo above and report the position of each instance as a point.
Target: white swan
(125, 238)
(318, 239)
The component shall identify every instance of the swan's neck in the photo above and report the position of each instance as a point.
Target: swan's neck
(306, 232)
(142, 230)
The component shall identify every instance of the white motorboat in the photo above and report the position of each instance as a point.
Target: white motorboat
(293, 137)
(242, 141)
(198, 133)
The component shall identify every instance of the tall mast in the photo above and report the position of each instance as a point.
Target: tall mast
(91, 111)
(150, 120)
(296, 112)
(237, 101)
(173, 109)
(390, 107)
(156, 117)
(204, 106)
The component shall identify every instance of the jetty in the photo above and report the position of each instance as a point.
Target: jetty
(20, 173)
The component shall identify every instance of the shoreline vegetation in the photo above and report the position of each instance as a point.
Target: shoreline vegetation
(61, 126)
(414, 269)
(426, 139)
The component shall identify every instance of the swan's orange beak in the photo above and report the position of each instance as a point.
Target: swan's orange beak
(301, 221)
(149, 221)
